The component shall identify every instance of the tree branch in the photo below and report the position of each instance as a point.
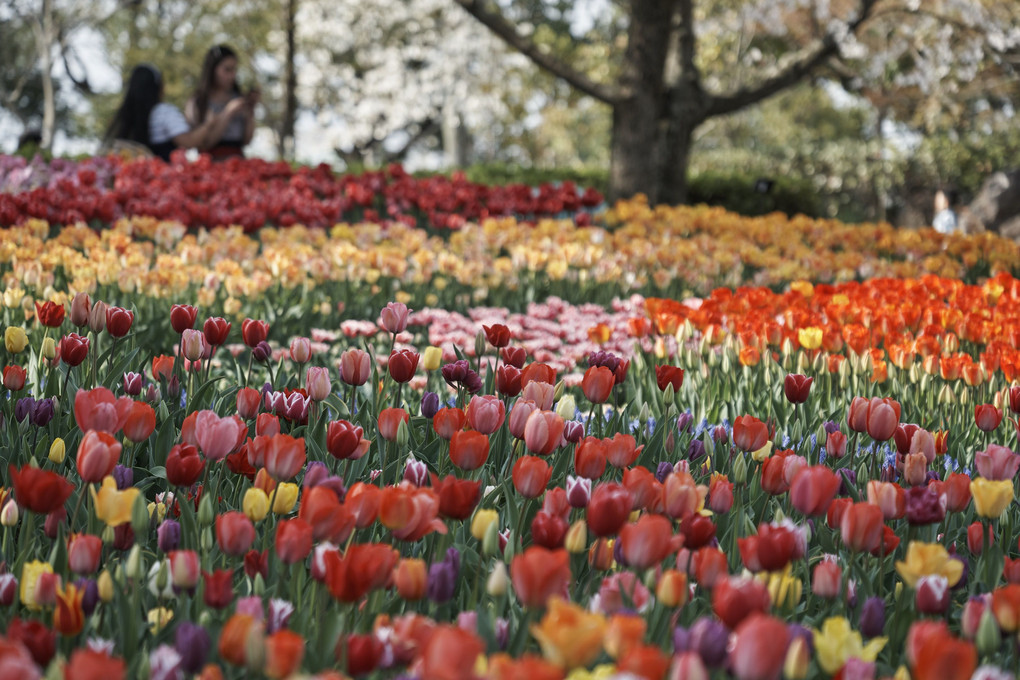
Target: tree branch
(506, 31)
(793, 74)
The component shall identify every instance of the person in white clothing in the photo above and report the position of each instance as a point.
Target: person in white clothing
(945, 221)
(145, 120)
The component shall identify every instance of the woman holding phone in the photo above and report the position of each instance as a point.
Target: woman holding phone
(217, 90)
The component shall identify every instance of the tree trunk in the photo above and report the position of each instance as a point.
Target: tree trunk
(44, 36)
(676, 154)
(286, 139)
(634, 163)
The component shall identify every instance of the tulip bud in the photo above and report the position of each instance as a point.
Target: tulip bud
(206, 541)
(140, 517)
(205, 511)
(964, 397)
(97, 317)
(566, 407)
(134, 567)
(740, 469)
(558, 390)
(258, 585)
(989, 637)
(49, 349)
(496, 584)
(109, 536)
(576, 541)
(946, 395)
(9, 515)
(57, 451)
(81, 305)
(480, 344)
(645, 414)
(795, 667)
(669, 395)
(490, 542)
(403, 434)
(105, 586)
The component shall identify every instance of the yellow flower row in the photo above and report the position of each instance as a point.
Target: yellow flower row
(678, 248)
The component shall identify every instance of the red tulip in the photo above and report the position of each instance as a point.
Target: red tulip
(749, 433)
(735, 599)
(219, 585)
(140, 423)
(449, 651)
(346, 441)
(50, 314)
(83, 553)
(457, 497)
(515, 356)
(590, 458)
(99, 410)
(448, 421)
(538, 574)
(409, 512)
(253, 331)
(497, 334)
(118, 321)
(183, 317)
(41, 491)
(861, 527)
(813, 489)
(669, 375)
(548, 530)
(826, 579)
(796, 387)
(364, 567)
(329, 519)
(249, 400)
(14, 378)
(285, 650)
(285, 456)
(88, 664)
(531, 475)
(537, 372)
(709, 566)
(183, 465)
(389, 422)
(648, 542)
(835, 444)
(622, 450)
(293, 540)
(759, 648)
(402, 364)
(987, 417)
(364, 653)
(943, 656)
(97, 456)
(608, 509)
(597, 384)
(234, 533)
(73, 349)
(508, 380)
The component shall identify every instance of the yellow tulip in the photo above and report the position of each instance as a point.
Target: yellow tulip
(286, 498)
(113, 506)
(158, 619)
(58, 451)
(836, 643)
(577, 537)
(105, 586)
(991, 498)
(432, 358)
(30, 573)
(784, 588)
(810, 337)
(482, 520)
(928, 559)
(15, 339)
(568, 635)
(763, 453)
(255, 504)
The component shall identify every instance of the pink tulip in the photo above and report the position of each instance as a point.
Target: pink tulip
(486, 413)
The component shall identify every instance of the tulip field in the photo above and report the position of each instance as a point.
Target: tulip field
(264, 421)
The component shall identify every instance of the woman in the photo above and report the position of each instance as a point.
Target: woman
(144, 121)
(217, 89)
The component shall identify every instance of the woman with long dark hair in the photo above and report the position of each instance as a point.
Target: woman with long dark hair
(217, 89)
(145, 120)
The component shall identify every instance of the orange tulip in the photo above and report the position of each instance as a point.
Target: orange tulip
(648, 541)
(363, 568)
(410, 578)
(537, 574)
(409, 512)
(531, 475)
(68, 617)
(597, 384)
(469, 449)
(451, 654)
(241, 640)
(284, 651)
(140, 423)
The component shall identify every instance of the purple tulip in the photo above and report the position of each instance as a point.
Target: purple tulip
(192, 642)
(429, 404)
(168, 535)
(872, 620)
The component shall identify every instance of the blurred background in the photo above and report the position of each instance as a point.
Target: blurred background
(854, 109)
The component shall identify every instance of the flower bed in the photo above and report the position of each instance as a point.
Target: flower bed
(813, 478)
